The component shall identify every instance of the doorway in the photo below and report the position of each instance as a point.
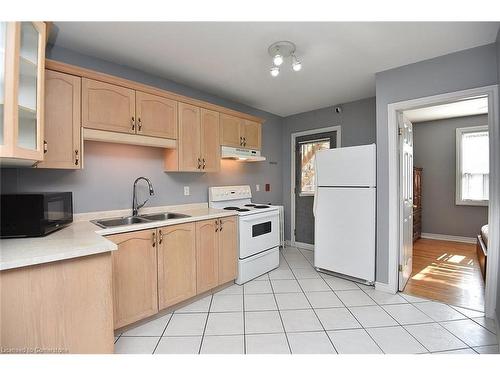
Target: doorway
(449, 263)
(304, 146)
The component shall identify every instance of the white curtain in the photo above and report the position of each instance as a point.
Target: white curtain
(475, 165)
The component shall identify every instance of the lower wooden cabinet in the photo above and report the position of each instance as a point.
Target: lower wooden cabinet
(176, 264)
(135, 278)
(207, 255)
(228, 249)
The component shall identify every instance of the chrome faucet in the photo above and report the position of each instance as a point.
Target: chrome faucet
(135, 205)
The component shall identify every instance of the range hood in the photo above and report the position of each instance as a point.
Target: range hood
(241, 154)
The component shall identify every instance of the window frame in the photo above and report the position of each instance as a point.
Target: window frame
(312, 193)
(458, 162)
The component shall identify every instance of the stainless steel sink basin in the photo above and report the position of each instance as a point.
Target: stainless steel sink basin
(163, 216)
(117, 221)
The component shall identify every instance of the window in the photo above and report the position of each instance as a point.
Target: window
(308, 150)
(472, 166)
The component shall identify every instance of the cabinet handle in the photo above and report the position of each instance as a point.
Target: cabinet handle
(244, 141)
(204, 164)
(154, 239)
(45, 147)
(139, 126)
(220, 225)
(133, 123)
(216, 225)
(161, 237)
(77, 157)
(199, 163)
(241, 141)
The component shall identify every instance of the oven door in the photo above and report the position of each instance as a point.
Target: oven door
(258, 233)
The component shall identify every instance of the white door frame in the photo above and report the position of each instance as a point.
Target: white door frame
(494, 203)
(338, 130)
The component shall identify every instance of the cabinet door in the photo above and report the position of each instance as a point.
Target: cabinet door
(189, 138)
(228, 251)
(156, 116)
(62, 121)
(252, 135)
(134, 277)
(207, 255)
(230, 127)
(210, 141)
(107, 107)
(176, 264)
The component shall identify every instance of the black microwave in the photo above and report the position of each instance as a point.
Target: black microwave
(34, 214)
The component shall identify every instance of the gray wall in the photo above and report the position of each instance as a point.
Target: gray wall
(434, 149)
(462, 70)
(358, 127)
(110, 169)
(498, 213)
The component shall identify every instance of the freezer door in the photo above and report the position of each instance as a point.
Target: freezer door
(345, 231)
(346, 166)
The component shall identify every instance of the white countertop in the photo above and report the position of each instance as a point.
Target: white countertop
(83, 238)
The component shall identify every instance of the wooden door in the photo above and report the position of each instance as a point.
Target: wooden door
(252, 135)
(62, 121)
(107, 107)
(134, 276)
(228, 249)
(230, 128)
(156, 116)
(207, 255)
(406, 200)
(176, 264)
(189, 138)
(210, 141)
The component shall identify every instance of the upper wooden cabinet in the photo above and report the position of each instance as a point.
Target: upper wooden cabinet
(135, 281)
(62, 121)
(156, 116)
(198, 148)
(22, 65)
(237, 132)
(107, 107)
(251, 135)
(230, 130)
(176, 264)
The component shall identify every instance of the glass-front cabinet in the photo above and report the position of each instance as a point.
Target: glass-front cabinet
(22, 67)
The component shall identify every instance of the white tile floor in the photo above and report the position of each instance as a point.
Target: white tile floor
(294, 309)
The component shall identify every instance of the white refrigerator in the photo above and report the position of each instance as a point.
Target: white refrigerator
(344, 211)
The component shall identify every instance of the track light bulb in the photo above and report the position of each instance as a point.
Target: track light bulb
(275, 71)
(277, 60)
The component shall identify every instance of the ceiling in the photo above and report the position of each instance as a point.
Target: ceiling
(230, 60)
(469, 107)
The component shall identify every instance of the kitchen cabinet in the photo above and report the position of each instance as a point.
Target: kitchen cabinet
(63, 143)
(108, 107)
(228, 249)
(198, 141)
(58, 307)
(176, 264)
(135, 279)
(156, 116)
(238, 132)
(207, 255)
(22, 59)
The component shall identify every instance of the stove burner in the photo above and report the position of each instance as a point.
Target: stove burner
(232, 208)
(250, 205)
(243, 209)
(261, 206)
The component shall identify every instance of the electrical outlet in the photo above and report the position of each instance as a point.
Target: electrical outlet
(268, 187)
(257, 187)
(186, 190)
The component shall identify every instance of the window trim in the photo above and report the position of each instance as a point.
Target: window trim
(458, 163)
(311, 193)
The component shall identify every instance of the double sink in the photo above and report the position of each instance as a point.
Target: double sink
(129, 220)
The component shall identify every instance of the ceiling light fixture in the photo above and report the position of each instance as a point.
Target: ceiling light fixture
(279, 51)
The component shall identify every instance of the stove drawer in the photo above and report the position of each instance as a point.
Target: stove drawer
(258, 232)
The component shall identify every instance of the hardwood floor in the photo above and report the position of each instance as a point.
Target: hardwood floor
(447, 271)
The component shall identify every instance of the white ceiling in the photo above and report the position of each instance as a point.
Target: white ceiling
(230, 59)
(470, 107)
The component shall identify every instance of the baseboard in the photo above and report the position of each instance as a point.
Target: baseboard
(446, 237)
(383, 287)
(306, 246)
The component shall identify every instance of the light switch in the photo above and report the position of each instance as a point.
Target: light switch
(186, 190)
(257, 187)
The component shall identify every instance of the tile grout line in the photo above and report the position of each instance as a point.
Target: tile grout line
(162, 332)
(206, 322)
(312, 308)
(244, 321)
